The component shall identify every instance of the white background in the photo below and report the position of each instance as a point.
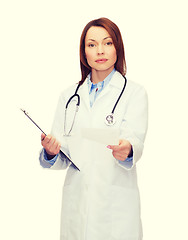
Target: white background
(40, 58)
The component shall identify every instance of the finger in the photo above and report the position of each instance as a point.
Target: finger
(46, 141)
(114, 147)
(117, 147)
(48, 138)
(43, 136)
(52, 143)
(122, 143)
(120, 157)
(54, 146)
(57, 149)
(58, 146)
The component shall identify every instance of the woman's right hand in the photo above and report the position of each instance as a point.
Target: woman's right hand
(50, 144)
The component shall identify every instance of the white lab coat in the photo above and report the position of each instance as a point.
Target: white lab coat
(101, 201)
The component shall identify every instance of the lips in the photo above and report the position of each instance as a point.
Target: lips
(101, 60)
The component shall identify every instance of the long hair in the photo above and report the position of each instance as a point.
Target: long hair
(115, 34)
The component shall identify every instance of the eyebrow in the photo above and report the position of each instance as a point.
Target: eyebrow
(95, 40)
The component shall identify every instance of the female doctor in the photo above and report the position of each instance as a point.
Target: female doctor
(100, 194)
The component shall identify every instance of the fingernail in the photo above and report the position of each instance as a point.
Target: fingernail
(109, 147)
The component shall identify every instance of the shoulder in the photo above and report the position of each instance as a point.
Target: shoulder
(67, 93)
(136, 94)
(134, 87)
(118, 80)
(134, 91)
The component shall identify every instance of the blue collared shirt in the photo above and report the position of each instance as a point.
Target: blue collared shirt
(94, 91)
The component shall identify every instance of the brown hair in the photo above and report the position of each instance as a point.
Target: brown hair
(115, 34)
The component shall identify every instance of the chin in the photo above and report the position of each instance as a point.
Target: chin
(104, 68)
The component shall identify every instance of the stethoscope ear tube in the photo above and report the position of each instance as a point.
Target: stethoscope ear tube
(109, 120)
(119, 95)
(70, 99)
(75, 95)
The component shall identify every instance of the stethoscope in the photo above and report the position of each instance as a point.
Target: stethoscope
(109, 119)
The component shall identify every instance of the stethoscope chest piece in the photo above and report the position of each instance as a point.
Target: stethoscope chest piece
(110, 120)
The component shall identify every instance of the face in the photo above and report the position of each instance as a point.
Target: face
(100, 50)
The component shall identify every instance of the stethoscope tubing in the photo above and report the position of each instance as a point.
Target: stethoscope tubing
(78, 101)
(78, 104)
(123, 89)
(75, 95)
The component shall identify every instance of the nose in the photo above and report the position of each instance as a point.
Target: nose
(100, 49)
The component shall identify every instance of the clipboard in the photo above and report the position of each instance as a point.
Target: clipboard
(61, 150)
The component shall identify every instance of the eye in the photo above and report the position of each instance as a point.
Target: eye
(109, 43)
(91, 45)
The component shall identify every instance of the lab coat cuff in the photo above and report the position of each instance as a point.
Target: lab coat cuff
(62, 162)
(43, 162)
(137, 148)
(126, 164)
(51, 161)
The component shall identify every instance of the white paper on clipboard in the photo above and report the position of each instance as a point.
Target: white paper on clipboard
(104, 136)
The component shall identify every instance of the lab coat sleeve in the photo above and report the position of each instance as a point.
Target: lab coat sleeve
(61, 162)
(134, 125)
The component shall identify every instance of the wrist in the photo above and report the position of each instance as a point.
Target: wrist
(48, 155)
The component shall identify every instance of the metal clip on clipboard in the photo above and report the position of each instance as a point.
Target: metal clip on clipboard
(24, 111)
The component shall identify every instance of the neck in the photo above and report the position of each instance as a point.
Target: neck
(99, 76)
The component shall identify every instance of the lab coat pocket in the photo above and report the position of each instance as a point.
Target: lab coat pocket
(125, 213)
(73, 211)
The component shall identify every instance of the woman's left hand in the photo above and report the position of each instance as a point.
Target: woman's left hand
(121, 151)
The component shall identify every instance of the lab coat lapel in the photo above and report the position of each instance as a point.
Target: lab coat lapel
(84, 94)
(116, 81)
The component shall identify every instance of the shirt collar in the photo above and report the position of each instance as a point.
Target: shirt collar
(100, 84)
